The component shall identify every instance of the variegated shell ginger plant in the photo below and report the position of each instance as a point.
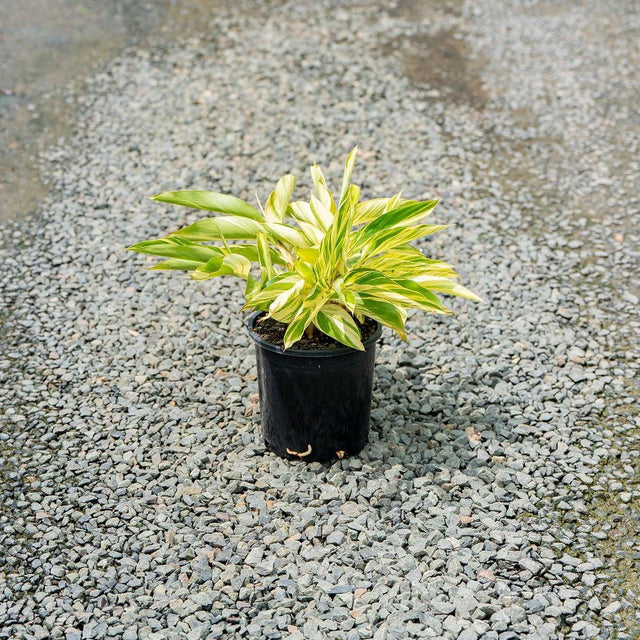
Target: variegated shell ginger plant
(323, 263)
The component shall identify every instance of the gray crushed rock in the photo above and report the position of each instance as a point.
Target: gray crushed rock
(138, 501)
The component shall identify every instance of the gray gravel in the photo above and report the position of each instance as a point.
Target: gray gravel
(498, 494)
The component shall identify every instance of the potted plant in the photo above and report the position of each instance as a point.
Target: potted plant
(331, 274)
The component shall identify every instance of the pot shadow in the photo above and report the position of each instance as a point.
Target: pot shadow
(440, 424)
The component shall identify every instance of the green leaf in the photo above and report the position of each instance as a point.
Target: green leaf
(252, 285)
(343, 295)
(210, 201)
(385, 240)
(409, 262)
(287, 234)
(348, 170)
(337, 323)
(333, 248)
(306, 219)
(278, 201)
(404, 215)
(444, 285)
(232, 265)
(399, 291)
(322, 213)
(322, 191)
(264, 258)
(305, 316)
(314, 234)
(227, 227)
(305, 271)
(343, 221)
(389, 314)
(309, 255)
(286, 305)
(250, 251)
(301, 211)
(176, 264)
(421, 297)
(273, 288)
(369, 210)
(176, 248)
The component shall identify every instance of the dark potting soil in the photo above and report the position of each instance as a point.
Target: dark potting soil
(273, 332)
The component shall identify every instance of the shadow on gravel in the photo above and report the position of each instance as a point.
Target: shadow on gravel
(420, 9)
(443, 63)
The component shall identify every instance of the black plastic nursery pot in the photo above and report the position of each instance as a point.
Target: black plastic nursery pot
(315, 405)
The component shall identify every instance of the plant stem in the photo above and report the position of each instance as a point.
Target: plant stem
(309, 331)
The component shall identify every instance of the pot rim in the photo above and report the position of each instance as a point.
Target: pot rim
(302, 353)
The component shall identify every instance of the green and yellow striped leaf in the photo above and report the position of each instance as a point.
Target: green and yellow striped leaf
(177, 248)
(209, 201)
(273, 288)
(369, 210)
(322, 191)
(176, 264)
(402, 216)
(444, 285)
(390, 315)
(286, 304)
(348, 170)
(305, 316)
(278, 201)
(264, 258)
(385, 240)
(227, 227)
(301, 212)
(322, 213)
(229, 265)
(307, 221)
(287, 234)
(343, 221)
(334, 320)
(407, 261)
(404, 292)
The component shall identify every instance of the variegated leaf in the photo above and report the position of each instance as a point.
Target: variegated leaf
(209, 201)
(368, 246)
(274, 287)
(286, 305)
(301, 211)
(278, 201)
(322, 213)
(407, 261)
(444, 285)
(402, 216)
(176, 264)
(395, 290)
(232, 265)
(227, 227)
(334, 320)
(322, 191)
(369, 210)
(287, 234)
(305, 316)
(264, 258)
(389, 314)
(348, 170)
(177, 248)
